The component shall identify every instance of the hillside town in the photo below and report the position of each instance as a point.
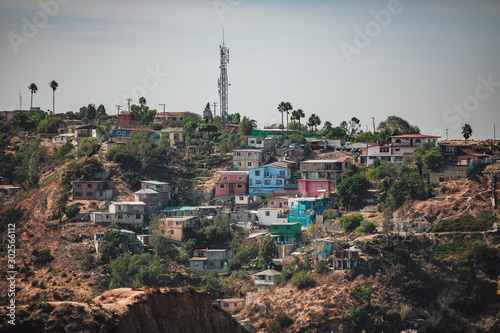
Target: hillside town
(190, 200)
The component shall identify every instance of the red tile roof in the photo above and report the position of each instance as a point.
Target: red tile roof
(473, 153)
(418, 136)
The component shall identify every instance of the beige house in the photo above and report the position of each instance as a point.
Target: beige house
(175, 135)
(265, 279)
(232, 305)
(174, 228)
(130, 213)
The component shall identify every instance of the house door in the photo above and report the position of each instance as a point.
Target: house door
(231, 189)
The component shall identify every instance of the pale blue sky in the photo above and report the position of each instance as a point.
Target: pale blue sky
(427, 57)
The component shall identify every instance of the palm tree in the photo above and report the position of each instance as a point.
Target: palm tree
(33, 89)
(142, 101)
(53, 84)
(314, 121)
(284, 107)
(466, 132)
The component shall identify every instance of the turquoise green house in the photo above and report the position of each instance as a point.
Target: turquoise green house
(286, 233)
(304, 210)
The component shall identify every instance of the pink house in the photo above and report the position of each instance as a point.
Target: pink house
(315, 188)
(231, 183)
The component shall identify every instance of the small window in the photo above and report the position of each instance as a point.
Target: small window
(78, 185)
(196, 263)
(78, 194)
(249, 164)
(137, 216)
(89, 185)
(301, 185)
(238, 153)
(239, 186)
(313, 185)
(177, 223)
(275, 227)
(257, 172)
(171, 232)
(249, 153)
(268, 173)
(287, 228)
(282, 173)
(240, 177)
(279, 181)
(268, 213)
(258, 182)
(120, 216)
(90, 194)
(224, 178)
(273, 203)
(226, 305)
(322, 185)
(222, 186)
(238, 164)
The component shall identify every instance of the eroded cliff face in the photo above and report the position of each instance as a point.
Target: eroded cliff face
(176, 311)
(128, 311)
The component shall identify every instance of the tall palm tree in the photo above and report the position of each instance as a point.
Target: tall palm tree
(33, 89)
(284, 107)
(142, 101)
(53, 84)
(466, 132)
(314, 121)
(300, 114)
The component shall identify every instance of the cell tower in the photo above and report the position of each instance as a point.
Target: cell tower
(223, 84)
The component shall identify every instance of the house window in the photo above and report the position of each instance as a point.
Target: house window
(282, 173)
(273, 203)
(267, 174)
(78, 185)
(287, 228)
(118, 133)
(322, 185)
(285, 203)
(90, 194)
(163, 232)
(176, 137)
(89, 185)
(398, 141)
(137, 216)
(384, 149)
(78, 194)
(241, 198)
(222, 186)
(301, 185)
(249, 153)
(268, 213)
(226, 305)
(257, 172)
(177, 223)
(397, 149)
(196, 263)
(150, 204)
(171, 232)
(238, 164)
(249, 164)
(275, 227)
(238, 153)
(250, 182)
(279, 181)
(417, 141)
(313, 185)
(224, 178)
(120, 216)
(239, 186)
(143, 196)
(240, 177)
(267, 182)
(269, 278)
(258, 182)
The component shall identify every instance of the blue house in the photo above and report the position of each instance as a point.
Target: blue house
(304, 210)
(269, 178)
(125, 134)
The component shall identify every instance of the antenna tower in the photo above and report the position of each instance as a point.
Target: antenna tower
(223, 84)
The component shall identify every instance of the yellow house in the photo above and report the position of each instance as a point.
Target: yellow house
(173, 228)
(175, 135)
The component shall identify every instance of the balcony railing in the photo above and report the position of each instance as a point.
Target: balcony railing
(264, 282)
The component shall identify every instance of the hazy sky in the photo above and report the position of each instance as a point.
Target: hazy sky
(435, 64)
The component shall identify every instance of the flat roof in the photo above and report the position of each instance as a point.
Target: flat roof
(146, 191)
(320, 161)
(169, 209)
(178, 218)
(154, 182)
(409, 136)
(137, 203)
(234, 172)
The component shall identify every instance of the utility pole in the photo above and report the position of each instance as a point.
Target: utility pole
(373, 119)
(446, 134)
(163, 121)
(20, 101)
(118, 114)
(128, 102)
(215, 109)
(494, 133)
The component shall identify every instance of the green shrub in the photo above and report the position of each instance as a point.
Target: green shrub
(359, 314)
(366, 227)
(303, 280)
(72, 211)
(42, 258)
(467, 222)
(321, 267)
(282, 320)
(351, 222)
(414, 287)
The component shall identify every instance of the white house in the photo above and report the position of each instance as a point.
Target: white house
(268, 216)
(399, 147)
(63, 138)
(265, 280)
(127, 212)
